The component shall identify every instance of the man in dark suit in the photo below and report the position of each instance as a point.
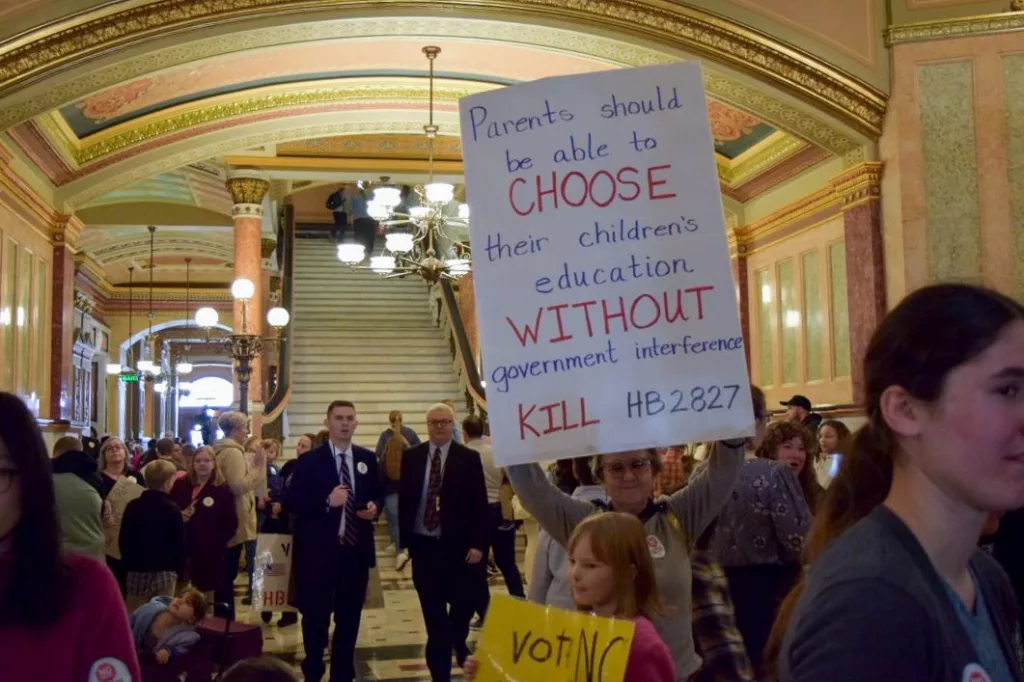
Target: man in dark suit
(442, 512)
(335, 493)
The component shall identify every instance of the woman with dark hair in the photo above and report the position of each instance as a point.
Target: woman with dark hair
(61, 616)
(897, 587)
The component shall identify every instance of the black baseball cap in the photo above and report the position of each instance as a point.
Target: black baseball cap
(798, 401)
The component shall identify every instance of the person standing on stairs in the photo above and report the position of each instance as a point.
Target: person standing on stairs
(442, 511)
(501, 533)
(391, 445)
(363, 226)
(335, 494)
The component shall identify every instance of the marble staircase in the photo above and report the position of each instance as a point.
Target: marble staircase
(359, 337)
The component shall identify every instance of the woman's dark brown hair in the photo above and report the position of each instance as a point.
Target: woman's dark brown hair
(904, 351)
(842, 432)
(782, 432)
(40, 581)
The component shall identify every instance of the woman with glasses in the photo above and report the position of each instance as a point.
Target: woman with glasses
(61, 615)
(672, 523)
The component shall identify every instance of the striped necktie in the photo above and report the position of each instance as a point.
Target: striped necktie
(349, 515)
(432, 509)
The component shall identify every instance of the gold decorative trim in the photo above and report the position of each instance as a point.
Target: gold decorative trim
(71, 42)
(943, 29)
(248, 191)
(255, 101)
(849, 189)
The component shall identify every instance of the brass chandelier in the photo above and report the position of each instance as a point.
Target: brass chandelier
(418, 238)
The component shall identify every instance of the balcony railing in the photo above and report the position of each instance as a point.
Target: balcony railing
(445, 308)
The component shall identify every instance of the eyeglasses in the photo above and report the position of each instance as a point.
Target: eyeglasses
(439, 422)
(7, 479)
(637, 466)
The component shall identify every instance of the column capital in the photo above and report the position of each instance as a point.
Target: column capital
(248, 189)
(859, 185)
(65, 230)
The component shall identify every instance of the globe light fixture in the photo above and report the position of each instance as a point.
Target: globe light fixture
(464, 211)
(160, 387)
(382, 265)
(457, 266)
(378, 211)
(113, 369)
(242, 289)
(398, 242)
(439, 192)
(387, 196)
(278, 317)
(419, 212)
(156, 370)
(207, 318)
(183, 368)
(351, 253)
(144, 365)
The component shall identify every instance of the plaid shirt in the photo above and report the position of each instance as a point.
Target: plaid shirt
(672, 476)
(718, 640)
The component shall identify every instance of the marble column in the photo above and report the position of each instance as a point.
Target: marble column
(739, 272)
(860, 190)
(248, 189)
(64, 232)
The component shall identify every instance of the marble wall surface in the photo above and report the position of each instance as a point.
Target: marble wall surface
(953, 150)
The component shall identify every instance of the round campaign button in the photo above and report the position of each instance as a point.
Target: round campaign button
(361, 467)
(655, 546)
(207, 501)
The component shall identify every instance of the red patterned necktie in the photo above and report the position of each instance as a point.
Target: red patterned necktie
(432, 510)
(349, 515)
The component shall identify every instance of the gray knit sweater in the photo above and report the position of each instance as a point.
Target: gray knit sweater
(695, 507)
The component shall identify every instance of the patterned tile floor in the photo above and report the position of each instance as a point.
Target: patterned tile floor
(391, 640)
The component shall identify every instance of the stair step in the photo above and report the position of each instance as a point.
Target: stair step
(327, 389)
(411, 336)
(383, 397)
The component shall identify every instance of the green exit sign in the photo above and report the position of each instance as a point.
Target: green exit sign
(130, 378)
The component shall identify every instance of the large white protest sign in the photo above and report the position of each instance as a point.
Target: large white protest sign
(605, 299)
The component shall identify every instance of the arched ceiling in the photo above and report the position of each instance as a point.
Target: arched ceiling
(127, 108)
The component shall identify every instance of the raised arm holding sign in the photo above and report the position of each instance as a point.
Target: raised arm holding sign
(607, 308)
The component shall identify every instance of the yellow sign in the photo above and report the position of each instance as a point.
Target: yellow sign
(525, 641)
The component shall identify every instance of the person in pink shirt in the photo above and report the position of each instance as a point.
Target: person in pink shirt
(611, 575)
(61, 615)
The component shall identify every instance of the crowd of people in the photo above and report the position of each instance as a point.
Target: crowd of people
(802, 553)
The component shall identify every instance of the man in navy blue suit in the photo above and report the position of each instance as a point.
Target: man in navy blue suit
(335, 494)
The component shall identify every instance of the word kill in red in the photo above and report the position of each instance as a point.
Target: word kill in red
(552, 418)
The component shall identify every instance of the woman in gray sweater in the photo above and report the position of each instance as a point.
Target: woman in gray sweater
(672, 523)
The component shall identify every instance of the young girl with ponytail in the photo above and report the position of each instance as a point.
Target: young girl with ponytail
(897, 589)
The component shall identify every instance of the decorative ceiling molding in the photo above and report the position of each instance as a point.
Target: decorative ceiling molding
(758, 160)
(965, 27)
(380, 93)
(73, 41)
(79, 195)
(108, 253)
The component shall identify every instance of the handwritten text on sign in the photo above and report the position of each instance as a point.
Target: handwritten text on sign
(525, 641)
(272, 572)
(607, 308)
